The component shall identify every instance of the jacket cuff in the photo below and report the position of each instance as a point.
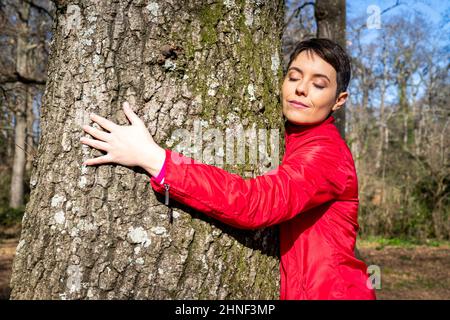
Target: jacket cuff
(162, 173)
(175, 166)
(159, 179)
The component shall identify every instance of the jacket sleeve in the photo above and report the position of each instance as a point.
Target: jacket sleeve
(310, 176)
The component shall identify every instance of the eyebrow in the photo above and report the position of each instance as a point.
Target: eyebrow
(314, 75)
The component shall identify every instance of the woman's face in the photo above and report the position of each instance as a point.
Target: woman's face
(309, 89)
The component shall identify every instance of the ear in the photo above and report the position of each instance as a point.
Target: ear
(340, 100)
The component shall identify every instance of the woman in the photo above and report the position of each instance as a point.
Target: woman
(312, 195)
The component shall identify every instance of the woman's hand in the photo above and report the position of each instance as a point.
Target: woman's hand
(126, 145)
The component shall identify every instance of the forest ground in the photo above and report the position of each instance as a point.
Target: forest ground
(408, 270)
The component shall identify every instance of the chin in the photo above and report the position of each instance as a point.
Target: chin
(303, 117)
(300, 117)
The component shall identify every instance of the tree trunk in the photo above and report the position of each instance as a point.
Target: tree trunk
(18, 171)
(101, 232)
(383, 121)
(331, 23)
(402, 82)
(30, 145)
(20, 132)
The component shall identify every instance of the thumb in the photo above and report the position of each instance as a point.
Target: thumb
(133, 117)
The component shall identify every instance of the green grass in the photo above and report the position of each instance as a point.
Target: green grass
(401, 242)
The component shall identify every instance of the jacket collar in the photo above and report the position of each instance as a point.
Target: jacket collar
(295, 134)
(292, 129)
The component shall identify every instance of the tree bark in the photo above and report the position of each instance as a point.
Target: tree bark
(331, 23)
(22, 68)
(16, 198)
(30, 145)
(101, 232)
(382, 121)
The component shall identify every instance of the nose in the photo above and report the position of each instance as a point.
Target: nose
(301, 88)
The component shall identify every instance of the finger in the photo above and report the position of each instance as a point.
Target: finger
(97, 144)
(96, 133)
(99, 160)
(104, 123)
(133, 117)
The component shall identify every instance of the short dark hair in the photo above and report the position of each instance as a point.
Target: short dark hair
(332, 53)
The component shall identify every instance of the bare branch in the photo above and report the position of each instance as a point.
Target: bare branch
(397, 3)
(296, 12)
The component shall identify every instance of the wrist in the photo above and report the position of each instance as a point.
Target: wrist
(154, 163)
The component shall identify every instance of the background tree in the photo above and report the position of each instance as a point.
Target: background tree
(309, 19)
(100, 232)
(22, 75)
(331, 24)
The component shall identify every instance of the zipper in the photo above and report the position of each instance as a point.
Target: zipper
(167, 187)
(166, 202)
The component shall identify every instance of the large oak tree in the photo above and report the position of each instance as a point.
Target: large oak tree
(101, 232)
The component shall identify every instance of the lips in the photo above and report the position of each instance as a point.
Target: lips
(298, 104)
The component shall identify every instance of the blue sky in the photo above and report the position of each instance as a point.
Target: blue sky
(432, 9)
(436, 12)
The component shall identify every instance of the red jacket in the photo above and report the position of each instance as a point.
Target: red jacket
(312, 195)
